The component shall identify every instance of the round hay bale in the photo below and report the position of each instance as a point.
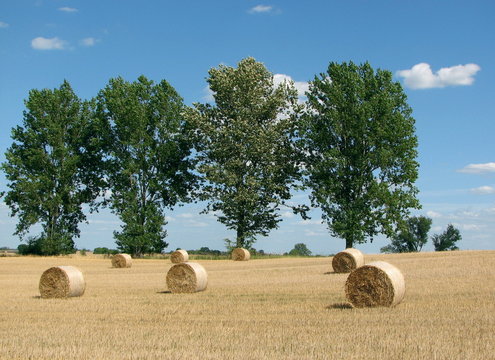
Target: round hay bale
(187, 277)
(375, 284)
(121, 261)
(179, 256)
(347, 260)
(240, 254)
(62, 282)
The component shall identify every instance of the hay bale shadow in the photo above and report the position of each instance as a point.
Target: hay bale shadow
(164, 292)
(340, 306)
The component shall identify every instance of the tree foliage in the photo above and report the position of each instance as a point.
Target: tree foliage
(300, 249)
(412, 238)
(244, 148)
(148, 159)
(53, 168)
(361, 144)
(447, 240)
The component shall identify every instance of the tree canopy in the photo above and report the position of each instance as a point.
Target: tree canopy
(53, 168)
(245, 150)
(360, 140)
(148, 154)
(300, 249)
(412, 237)
(447, 240)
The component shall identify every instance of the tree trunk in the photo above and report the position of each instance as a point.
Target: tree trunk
(240, 237)
(349, 241)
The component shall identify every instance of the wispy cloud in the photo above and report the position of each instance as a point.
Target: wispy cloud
(89, 41)
(420, 76)
(3, 25)
(258, 9)
(187, 216)
(484, 190)
(68, 9)
(287, 214)
(208, 95)
(433, 214)
(41, 43)
(310, 222)
(478, 168)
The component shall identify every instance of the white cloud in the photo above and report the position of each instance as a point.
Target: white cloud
(187, 216)
(479, 168)
(208, 95)
(310, 222)
(471, 227)
(301, 86)
(420, 76)
(3, 25)
(41, 43)
(484, 190)
(260, 9)
(433, 214)
(68, 9)
(314, 233)
(287, 214)
(89, 41)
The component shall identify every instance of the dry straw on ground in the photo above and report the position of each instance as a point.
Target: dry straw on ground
(347, 260)
(62, 282)
(179, 256)
(121, 261)
(286, 309)
(375, 284)
(188, 277)
(240, 254)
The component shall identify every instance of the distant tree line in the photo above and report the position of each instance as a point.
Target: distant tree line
(137, 149)
(414, 235)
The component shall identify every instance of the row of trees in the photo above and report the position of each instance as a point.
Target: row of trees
(414, 235)
(138, 149)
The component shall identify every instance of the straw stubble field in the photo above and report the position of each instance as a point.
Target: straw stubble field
(288, 308)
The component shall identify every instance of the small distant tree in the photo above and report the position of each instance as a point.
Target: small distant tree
(32, 246)
(447, 240)
(105, 251)
(205, 250)
(300, 250)
(412, 238)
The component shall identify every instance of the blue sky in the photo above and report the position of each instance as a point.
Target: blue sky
(441, 51)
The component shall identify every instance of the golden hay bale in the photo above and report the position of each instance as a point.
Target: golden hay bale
(121, 261)
(187, 277)
(240, 254)
(347, 260)
(377, 283)
(62, 282)
(179, 256)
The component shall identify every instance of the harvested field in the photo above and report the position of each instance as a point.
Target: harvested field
(287, 308)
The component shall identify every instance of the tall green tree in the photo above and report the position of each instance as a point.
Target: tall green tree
(447, 240)
(148, 159)
(361, 144)
(412, 238)
(53, 168)
(244, 148)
